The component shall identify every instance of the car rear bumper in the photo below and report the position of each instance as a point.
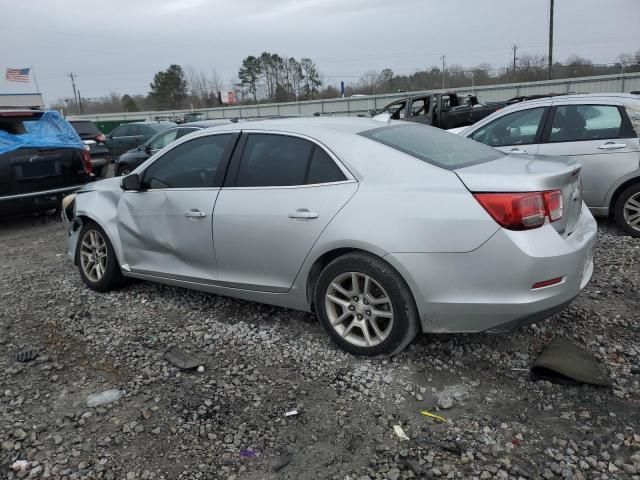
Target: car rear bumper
(34, 201)
(490, 288)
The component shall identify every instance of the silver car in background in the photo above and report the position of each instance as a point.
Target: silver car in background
(600, 131)
(383, 229)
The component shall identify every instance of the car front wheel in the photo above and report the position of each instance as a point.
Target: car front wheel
(627, 210)
(365, 306)
(97, 261)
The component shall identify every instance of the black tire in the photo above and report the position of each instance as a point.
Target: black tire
(111, 277)
(405, 315)
(619, 209)
(123, 170)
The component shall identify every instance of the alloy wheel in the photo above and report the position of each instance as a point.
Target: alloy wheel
(359, 309)
(631, 211)
(93, 255)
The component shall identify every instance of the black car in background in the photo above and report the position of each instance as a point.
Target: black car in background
(94, 139)
(41, 160)
(134, 157)
(129, 135)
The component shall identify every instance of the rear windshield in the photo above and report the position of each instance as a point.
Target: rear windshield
(433, 145)
(16, 124)
(85, 128)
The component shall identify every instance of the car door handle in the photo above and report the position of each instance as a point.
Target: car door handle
(195, 214)
(303, 213)
(612, 146)
(517, 150)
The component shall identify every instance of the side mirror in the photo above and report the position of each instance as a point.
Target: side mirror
(131, 182)
(147, 148)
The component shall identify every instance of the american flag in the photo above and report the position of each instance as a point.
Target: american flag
(18, 75)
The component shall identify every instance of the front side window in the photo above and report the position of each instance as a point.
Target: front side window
(135, 130)
(575, 123)
(433, 145)
(163, 139)
(517, 128)
(396, 110)
(193, 164)
(418, 107)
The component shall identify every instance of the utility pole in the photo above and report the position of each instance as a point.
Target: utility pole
(75, 95)
(443, 58)
(550, 39)
(515, 49)
(80, 102)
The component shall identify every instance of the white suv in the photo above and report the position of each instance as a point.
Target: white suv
(599, 130)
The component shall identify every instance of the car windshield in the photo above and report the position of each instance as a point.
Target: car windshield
(85, 128)
(433, 145)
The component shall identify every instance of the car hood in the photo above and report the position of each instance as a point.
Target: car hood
(106, 185)
(457, 130)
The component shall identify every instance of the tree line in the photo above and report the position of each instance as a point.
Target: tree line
(271, 77)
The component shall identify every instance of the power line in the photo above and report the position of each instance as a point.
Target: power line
(550, 38)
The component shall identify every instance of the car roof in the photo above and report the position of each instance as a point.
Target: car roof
(208, 123)
(311, 126)
(581, 97)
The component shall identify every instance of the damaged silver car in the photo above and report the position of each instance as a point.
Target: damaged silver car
(383, 229)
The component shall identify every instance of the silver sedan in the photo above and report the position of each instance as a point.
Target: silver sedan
(383, 229)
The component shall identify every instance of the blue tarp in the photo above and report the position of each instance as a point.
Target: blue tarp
(48, 131)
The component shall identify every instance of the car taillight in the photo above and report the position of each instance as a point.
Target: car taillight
(554, 203)
(86, 159)
(522, 211)
(100, 137)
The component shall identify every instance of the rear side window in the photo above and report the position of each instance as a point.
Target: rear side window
(194, 164)
(280, 160)
(575, 123)
(323, 169)
(273, 161)
(433, 145)
(517, 128)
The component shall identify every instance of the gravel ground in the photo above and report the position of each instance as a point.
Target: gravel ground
(228, 421)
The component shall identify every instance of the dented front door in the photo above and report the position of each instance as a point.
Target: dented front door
(168, 232)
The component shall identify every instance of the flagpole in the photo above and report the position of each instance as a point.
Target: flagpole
(35, 79)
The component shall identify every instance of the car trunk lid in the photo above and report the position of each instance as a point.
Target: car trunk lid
(530, 173)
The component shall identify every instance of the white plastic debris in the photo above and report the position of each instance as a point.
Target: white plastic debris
(20, 466)
(201, 368)
(291, 413)
(103, 398)
(400, 432)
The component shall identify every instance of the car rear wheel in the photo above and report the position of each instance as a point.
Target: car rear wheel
(627, 210)
(365, 306)
(123, 171)
(97, 261)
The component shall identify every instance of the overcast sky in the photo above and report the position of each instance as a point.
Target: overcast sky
(117, 45)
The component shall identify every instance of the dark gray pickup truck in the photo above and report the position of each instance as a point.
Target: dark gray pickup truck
(41, 160)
